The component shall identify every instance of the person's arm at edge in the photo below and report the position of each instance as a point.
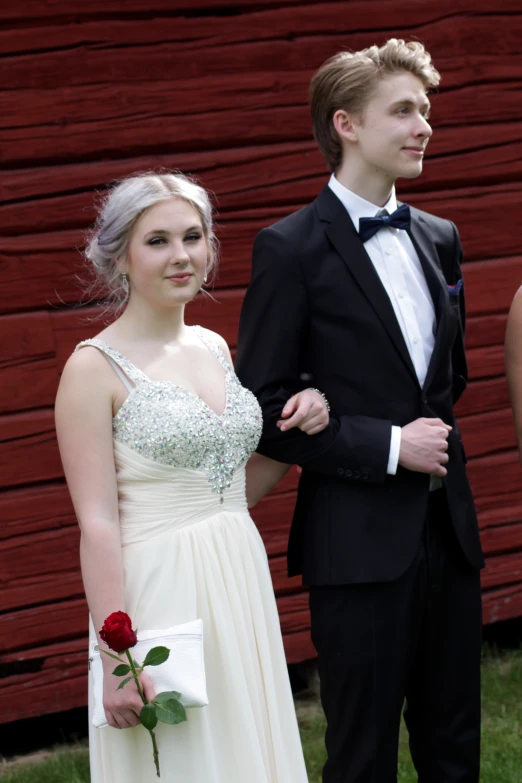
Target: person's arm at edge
(513, 360)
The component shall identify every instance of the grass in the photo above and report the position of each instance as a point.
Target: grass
(61, 766)
(501, 725)
(501, 736)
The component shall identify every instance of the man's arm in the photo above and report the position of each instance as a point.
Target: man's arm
(272, 332)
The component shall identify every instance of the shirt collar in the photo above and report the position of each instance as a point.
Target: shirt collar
(356, 206)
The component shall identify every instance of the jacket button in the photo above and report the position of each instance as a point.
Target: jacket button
(340, 471)
(357, 474)
(348, 473)
(424, 399)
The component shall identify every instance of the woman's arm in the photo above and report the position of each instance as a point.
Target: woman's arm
(262, 475)
(307, 410)
(83, 415)
(513, 360)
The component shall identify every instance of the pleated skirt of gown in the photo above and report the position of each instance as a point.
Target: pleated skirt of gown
(187, 556)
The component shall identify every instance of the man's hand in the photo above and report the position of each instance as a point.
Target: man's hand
(307, 410)
(424, 446)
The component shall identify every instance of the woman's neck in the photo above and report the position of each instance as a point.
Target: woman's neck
(149, 324)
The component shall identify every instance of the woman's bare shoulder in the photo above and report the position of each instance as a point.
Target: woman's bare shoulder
(218, 340)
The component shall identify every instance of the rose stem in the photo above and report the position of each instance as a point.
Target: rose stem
(144, 700)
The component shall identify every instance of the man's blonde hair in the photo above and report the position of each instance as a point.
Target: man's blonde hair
(348, 79)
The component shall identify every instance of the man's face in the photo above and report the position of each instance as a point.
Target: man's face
(393, 131)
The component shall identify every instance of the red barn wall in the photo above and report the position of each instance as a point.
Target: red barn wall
(94, 91)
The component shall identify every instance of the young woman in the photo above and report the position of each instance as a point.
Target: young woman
(155, 433)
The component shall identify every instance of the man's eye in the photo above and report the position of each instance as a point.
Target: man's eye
(403, 110)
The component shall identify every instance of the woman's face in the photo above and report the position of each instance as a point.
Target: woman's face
(168, 254)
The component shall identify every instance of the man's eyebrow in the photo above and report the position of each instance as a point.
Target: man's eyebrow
(410, 102)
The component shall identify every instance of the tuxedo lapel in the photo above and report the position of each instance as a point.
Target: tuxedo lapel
(345, 239)
(427, 252)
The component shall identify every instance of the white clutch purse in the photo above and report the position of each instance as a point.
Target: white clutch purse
(183, 671)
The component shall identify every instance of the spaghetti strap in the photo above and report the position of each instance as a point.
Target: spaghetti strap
(124, 368)
(213, 347)
(119, 372)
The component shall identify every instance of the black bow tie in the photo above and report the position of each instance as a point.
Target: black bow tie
(368, 227)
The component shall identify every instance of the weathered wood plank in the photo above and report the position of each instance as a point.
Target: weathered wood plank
(27, 366)
(42, 269)
(28, 449)
(502, 604)
(487, 432)
(35, 509)
(283, 584)
(499, 538)
(34, 591)
(505, 569)
(492, 284)
(486, 154)
(299, 647)
(43, 624)
(138, 131)
(484, 330)
(28, 385)
(40, 568)
(485, 362)
(25, 338)
(48, 651)
(444, 37)
(44, 567)
(482, 396)
(62, 9)
(66, 691)
(302, 172)
(494, 476)
(253, 24)
(33, 384)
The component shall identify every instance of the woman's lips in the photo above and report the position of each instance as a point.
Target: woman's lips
(183, 278)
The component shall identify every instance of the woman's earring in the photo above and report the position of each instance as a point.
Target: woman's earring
(205, 278)
(125, 283)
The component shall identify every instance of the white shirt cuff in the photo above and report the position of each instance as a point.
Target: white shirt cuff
(395, 447)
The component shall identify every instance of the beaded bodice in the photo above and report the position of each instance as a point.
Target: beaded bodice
(173, 426)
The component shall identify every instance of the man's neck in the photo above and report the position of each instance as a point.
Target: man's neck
(372, 186)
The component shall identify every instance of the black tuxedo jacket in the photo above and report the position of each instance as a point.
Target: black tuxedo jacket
(317, 314)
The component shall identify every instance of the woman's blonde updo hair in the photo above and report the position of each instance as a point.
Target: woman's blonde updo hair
(119, 211)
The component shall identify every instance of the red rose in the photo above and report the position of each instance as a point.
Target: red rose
(117, 632)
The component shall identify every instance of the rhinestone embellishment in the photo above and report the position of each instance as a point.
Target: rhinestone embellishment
(172, 426)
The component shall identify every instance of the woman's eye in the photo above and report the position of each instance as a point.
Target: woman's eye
(156, 241)
(192, 237)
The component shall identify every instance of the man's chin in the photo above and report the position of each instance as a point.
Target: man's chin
(411, 172)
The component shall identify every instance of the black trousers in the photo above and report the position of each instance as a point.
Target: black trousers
(416, 639)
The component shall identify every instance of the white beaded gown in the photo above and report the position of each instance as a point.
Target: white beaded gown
(191, 550)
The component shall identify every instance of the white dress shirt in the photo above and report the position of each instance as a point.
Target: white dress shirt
(397, 264)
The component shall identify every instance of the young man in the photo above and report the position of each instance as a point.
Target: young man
(362, 298)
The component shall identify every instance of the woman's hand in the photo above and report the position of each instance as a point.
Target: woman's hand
(307, 410)
(123, 707)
